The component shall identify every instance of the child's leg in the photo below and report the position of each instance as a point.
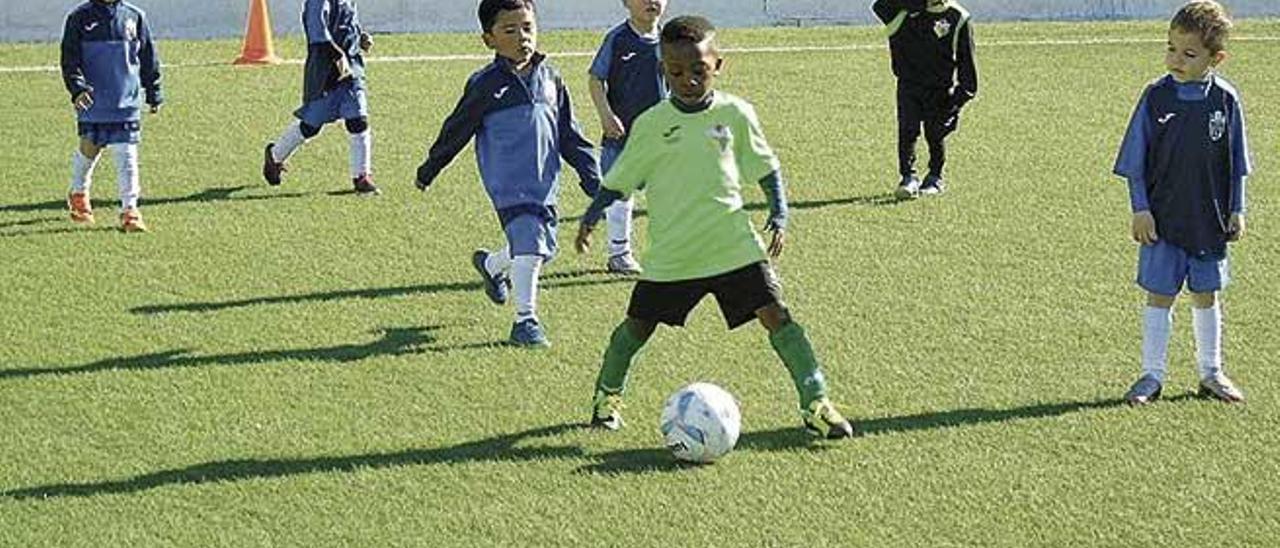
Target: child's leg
(935, 135)
(524, 281)
(625, 342)
(294, 136)
(498, 262)
(83, 160)
(619, 219)
(792, 345)
(361, 146)
(910, 114)
(1157, 325)
(1206, 319)
(126, 159)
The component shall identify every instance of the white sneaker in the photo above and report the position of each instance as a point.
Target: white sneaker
(624, 263)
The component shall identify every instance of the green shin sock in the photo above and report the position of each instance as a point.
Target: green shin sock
(618, 358)
(793, 347)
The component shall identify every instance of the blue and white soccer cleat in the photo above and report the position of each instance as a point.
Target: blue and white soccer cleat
(495, 285)
(1144, 391)
(528, 333)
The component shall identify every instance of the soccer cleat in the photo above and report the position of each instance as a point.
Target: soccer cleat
(933, 186)
(624, 263)
(131, 221)
(528, 333)
(909, 188)
(822, 419)
(1220, 387)
(1145, 390)
(81, 209)
(495, 285)
(364, 186)
(271, 169)
(606, 411)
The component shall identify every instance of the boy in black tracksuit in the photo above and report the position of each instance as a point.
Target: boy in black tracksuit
(931, 44)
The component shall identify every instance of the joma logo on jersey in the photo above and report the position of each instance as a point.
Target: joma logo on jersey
(1217, 125)
(672, 134)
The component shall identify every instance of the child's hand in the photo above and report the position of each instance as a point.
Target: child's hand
(1235, 227)
(366, 41)
(343, 67)
(83, 101)
(613, 127)
(582, 243)
(777, 242)
(1144, 228)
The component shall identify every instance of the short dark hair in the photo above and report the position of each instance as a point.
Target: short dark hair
(693, 29)
(489, 9)
(1206, 18)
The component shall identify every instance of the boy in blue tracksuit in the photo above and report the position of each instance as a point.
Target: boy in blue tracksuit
(519, 112)
(1186, 158)
(110, 67)
(333, 89)
(626, 79)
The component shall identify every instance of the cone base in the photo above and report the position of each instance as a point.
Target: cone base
(257, 60)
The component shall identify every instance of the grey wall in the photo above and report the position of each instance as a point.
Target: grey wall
(33, 20)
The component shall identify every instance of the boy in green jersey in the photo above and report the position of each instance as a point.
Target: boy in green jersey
(691, 154)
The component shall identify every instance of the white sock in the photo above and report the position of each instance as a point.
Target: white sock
(618, 215)
(499, 261)
(288, 142)
(1208, 327)
(524, 280)
(126, 156)
(1157, 324)
(82, 171)
(361, 153)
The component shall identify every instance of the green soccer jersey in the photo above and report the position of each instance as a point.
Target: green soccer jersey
(692, 167)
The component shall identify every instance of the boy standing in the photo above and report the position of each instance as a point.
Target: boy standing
(692, 153)
(626, 79)
(519, 112)
(931, 43)
(1186, 158)
(333, 88)
(108, 62)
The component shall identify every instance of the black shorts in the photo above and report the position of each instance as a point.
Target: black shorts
(740, 294)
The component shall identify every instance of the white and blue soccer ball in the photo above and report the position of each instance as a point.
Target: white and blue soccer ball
(700, 423)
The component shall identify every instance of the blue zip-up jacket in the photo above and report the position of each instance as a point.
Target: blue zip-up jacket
(333, 29)
(523, 126)
(107, 51)
(631, 65)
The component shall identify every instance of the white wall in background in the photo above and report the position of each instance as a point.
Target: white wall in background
(37, 20)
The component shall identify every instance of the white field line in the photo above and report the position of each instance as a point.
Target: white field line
(768, 49)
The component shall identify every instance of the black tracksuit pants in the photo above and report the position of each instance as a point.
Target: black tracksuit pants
(922, 106)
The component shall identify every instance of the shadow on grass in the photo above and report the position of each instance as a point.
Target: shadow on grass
(393, 342)
(29, 222)
(976, 416)
(550, 281)
(874, 200)
(497, 449)
(217, 194)
(658, 460)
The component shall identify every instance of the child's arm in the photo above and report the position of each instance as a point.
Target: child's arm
(149, 69)
(775, 194)
(1132, 165)
(1240, 169)
(575, 148)
(72, 69)
(966, 69)
(609, 121)
(888, 10)
(316, 16)
(454, 135)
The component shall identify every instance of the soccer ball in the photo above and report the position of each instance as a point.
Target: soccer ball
(700, 423)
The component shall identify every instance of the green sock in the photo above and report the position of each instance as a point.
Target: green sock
(622, 350)
(793, 347)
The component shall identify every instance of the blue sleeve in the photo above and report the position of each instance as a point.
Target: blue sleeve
(600, 65)
(775, 193)
(457, 131)
(72, 67)
(574, 146)
(315, 21)
(1240, 165)
(1138, 199)
(602, 200)
(149, 62)
(1132, 160)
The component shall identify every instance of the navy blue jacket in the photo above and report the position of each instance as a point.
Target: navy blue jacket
(107, 51)
(333, 30)
(631, 66)
(523, 126)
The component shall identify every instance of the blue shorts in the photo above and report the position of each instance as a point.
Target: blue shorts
(531, 235)
(110, 133)
(1163, 267)
(345, 102)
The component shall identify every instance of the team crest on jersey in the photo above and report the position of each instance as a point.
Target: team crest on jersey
(942, 28)
(1217, 125)
(131, 29)
(722, 135)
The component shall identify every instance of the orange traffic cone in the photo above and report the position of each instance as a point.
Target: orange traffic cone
(258, 48)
